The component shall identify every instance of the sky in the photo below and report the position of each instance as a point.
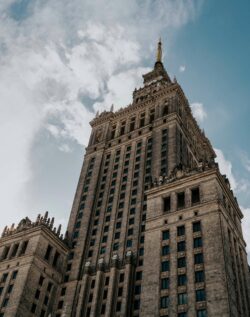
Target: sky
(61, 61)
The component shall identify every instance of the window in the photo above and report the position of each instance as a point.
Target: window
(180, 231)
(165, 250)
(165, 110)
(184, 314)
(103, 250)
(118, 225)
(41, 279)
(142, 119)
(129, 243)
(201, 313)
(151, 115)
(42, 313)
(164, 302)
(5, 252)
(23, 248)
(198, 258)
(136, 304)
(141, 251)
(103, 309)
(63, 291)
(195, 195)
(181, 262)
(60, 304)
(33, 308)
(48, 252)
(1, 290)
(4, 277)
(164, 283)
(46, 300)
(37, 294)
(90, 297)
(166, 204)
(165, 266)
(138, 275)
(198, 242)
(197, 226)
(105, 294)
(199, 276)
(92, 284)
(107, 281)
(10, 288)
(115, 246)
(117, 235)
(200, 295)
(132, 124)
(56, 258)
(122, 131)
(131, 221)
(106, 228)
(132, 211)
(120, 290)
(181, 246)
(121, 278)
(104, 239)
(130, 232)
(180, 200)
(14, 250)
(182, 280)
(182, 299)
(165, 235)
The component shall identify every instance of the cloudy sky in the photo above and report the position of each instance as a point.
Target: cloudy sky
(61, 61)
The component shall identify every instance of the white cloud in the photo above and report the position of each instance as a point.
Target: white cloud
(182, 68)
(226, 168)
(245, 161)
(54, 53)
(65, 148)
(198, 111)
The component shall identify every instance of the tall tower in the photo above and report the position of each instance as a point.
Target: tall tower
(155, 229)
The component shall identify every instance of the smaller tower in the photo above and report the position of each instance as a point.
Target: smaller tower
(32, 258)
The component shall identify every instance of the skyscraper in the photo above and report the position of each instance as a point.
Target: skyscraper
(155, 229)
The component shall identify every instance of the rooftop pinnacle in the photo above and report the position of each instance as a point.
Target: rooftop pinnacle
(159, 52)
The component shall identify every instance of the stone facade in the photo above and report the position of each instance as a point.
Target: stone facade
(155, 229)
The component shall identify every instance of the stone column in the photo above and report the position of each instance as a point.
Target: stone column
(98, 285)
(126, 285)
(112, 286)
(83, 292)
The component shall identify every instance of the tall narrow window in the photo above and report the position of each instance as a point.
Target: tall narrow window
(195, 193)
(200, 295)
(197, 226)
(132, 124)
(56, 257)
(166, 204)
(180, 231)
(14, 250)
(180, 200)
(142, 119)
(151, 115)
(48, 252)
(122, 131)
(113, 131)
(24, 247)
(5, 252)
(165, 110)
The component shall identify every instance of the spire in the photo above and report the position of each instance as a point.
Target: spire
(159, 52)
